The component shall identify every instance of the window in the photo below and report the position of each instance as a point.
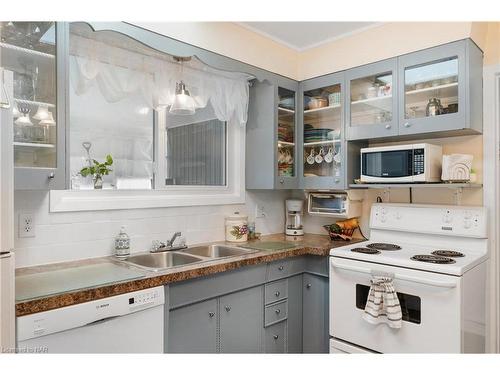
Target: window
(196, 154)
(121, 92)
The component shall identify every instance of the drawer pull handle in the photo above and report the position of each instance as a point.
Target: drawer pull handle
(281, 268)
(276, 337)
(277, 311)
(228, 308)
(308, 286)
(211, 314)
(388, 126)
(277, 294)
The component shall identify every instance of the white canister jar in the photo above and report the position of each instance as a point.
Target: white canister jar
(237, 228)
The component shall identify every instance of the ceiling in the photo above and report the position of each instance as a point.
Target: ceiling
(304, 35)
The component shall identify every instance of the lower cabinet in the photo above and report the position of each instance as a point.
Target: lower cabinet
(294, 321)
(228, 324)
(283, 312)
(315, 305)
(241, 319)
(193, 329)
(275, 338)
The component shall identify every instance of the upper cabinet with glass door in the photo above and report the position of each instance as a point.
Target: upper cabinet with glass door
(286, 146)
(371, 111)
(440, 89)
(323, 138)
(28, 49)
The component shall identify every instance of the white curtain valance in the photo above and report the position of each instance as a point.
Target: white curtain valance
(155, 76)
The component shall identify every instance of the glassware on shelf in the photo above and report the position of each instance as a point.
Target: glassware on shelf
(286, 132)
(431, 89)
(371, 99)
(28, 49)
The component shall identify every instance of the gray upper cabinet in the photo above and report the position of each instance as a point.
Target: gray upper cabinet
(271, 134)
(37, 54)
(371, 106)
(440, 90)
(322, 139)
(241, 321)
(193, 329)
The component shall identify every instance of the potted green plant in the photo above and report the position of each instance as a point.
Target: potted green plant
(97, 170)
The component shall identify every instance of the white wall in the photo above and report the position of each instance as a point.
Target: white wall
(78, 235)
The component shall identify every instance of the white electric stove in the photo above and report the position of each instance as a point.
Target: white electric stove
(437, 258)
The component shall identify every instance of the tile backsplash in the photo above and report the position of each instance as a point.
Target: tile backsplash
(69, 236)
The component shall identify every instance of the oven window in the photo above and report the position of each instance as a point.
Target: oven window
(410, 305)
(388, 163)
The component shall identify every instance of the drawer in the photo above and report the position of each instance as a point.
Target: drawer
(275, 338)
(278, 270)
(275, 313)
(276, 291)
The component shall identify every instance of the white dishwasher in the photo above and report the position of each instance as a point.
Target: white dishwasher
(127, 323)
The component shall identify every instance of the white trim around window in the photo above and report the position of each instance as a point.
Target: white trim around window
(161, 196)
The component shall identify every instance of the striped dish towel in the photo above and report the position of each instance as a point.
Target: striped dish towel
(383, 304)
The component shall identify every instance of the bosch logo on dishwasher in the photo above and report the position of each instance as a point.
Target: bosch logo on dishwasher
(102, 306)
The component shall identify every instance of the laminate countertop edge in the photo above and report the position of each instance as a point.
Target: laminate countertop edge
(310, 244)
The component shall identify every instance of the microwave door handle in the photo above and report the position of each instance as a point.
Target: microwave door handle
(441, 284)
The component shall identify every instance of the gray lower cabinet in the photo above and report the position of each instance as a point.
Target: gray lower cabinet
(275, 338)
(193, 329)
(241, 319)
(315, 328)
(294, 321)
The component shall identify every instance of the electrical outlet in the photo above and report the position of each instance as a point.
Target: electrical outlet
(260, 212)
(26, 225)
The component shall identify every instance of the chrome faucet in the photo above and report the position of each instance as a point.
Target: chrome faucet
(159, 246)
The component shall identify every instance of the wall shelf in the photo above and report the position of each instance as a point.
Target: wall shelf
(34, 103)
(34, 145)
(464, 185)
(329, 142)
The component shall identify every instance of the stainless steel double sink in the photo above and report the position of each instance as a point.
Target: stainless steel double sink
(170, 259)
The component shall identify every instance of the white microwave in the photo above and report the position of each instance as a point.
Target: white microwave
(420, 162)
(333, 205)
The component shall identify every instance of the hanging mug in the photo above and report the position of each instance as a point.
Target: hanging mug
(310, 158)
(319, 156)
(337, 158)
(329, 156)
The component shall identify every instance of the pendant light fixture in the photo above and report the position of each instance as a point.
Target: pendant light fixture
(183, 103)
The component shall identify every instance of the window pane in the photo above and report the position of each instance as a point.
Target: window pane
(122, 128)
(196, 154)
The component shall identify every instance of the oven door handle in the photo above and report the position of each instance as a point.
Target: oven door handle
(442, 284)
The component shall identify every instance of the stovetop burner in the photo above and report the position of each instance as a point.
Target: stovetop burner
(448, 253)
(365, 250)
(383, 246)
(432, 259)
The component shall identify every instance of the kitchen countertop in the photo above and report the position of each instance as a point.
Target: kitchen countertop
(309, 244)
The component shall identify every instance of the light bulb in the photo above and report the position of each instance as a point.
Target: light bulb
(183, 102)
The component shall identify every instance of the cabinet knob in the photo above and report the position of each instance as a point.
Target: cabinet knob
(281, 268)
(388, 126)
(276, 337)
(277, 311)
(407, 124)
(228, 308)
(277, 294)
(211, 314)
(308, 286)
(282, 181)
(51, 175)
(337, 180)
